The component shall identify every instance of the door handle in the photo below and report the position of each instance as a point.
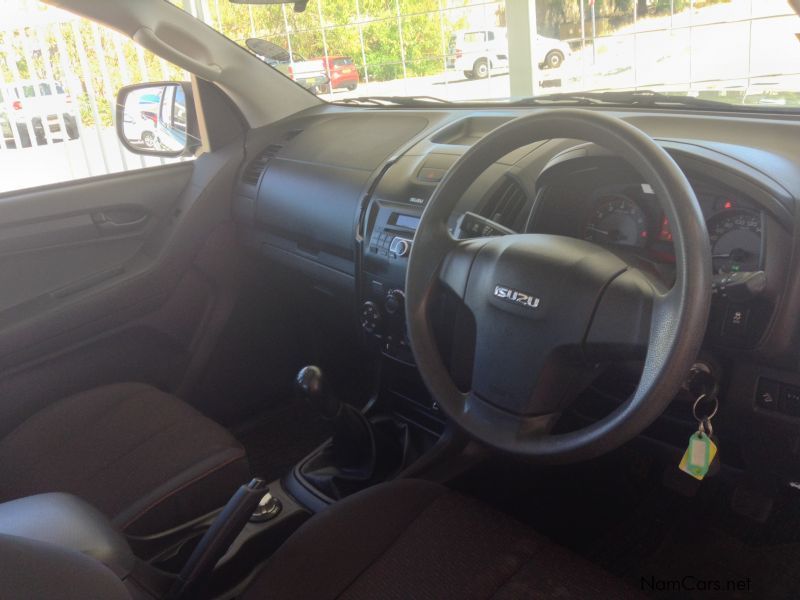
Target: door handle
(119, 221)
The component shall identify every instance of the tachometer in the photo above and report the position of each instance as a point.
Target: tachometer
(735, 240)
(617, 220)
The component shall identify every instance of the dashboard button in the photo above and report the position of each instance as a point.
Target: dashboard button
(790, 400)
(370, 317)
(400, 247)
(735, 323)
(395, 301)
(768, 394)
(431, 175)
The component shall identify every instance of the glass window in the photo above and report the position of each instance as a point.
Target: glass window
(474, 37)
(735, 51)
(59, 97)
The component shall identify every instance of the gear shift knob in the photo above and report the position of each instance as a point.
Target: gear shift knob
(310, 381)
(311, 384)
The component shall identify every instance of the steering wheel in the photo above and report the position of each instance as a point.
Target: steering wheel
(549, 310)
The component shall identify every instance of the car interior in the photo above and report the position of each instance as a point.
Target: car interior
(418, 349)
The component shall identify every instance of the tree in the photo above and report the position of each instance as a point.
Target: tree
(418, 39)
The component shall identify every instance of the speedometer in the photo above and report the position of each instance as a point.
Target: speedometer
(735, 241)
(617, 220)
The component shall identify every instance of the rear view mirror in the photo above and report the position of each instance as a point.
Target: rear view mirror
(157, 119)
(267, 50)
(299, 5)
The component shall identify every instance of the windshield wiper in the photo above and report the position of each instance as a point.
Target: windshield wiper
(393, 100)
(646, 98)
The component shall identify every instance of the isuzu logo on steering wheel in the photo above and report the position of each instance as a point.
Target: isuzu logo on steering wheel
(515, 296)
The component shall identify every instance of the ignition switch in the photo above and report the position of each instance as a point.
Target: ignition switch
(701, 380)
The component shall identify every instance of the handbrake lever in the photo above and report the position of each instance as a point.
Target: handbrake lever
(219, 537)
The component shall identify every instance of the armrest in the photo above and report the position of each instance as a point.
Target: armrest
(69, 522)
(34, 569)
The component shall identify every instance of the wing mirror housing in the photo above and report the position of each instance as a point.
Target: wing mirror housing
(158, 119)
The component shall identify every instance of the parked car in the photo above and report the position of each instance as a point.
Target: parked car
(32, 105)
(342, 72)
(311, 74)
(477, 52)
(140, 117)
(154, 117)
(140, 127)
(6, 129)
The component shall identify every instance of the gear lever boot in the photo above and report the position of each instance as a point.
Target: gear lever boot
(353, 445)
(363, 451)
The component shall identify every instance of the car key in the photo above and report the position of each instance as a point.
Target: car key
(700, 459)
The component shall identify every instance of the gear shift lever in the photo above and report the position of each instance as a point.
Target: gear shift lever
(362, 451)
(353, 444)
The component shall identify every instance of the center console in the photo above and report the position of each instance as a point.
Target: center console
(385, 258)
(401, 423)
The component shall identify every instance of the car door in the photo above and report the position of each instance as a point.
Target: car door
(116, 276)
(500, 43)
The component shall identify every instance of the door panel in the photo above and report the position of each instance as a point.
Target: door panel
(65, 237)
(112, 279)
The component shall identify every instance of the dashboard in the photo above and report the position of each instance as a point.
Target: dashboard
(334, 196)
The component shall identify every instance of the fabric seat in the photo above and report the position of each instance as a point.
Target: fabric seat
(417, 540)
(145, 458)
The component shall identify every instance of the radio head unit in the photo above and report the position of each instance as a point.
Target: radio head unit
(393, 234)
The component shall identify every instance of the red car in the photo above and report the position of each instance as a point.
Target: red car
(342, 71)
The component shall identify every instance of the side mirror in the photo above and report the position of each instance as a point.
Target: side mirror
(158, 119)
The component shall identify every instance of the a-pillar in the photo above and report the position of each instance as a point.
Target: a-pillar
(523, 68)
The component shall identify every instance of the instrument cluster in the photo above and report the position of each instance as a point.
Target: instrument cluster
(628, 214)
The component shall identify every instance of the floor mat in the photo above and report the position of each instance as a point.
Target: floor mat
(725, 555)
(665, 544)
(275, 441)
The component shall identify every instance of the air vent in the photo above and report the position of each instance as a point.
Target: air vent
(506, 203)
(252, 173)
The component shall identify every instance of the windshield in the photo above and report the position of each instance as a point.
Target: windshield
(741, 52)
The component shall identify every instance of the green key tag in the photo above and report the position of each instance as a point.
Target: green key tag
(698, 455)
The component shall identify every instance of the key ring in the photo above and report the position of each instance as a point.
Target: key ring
(705, 422)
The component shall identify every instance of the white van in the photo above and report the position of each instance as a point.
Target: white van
(477, 52)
